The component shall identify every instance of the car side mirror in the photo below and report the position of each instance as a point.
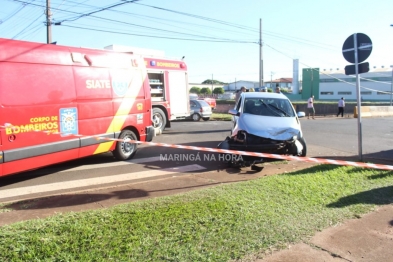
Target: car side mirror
(234, 112)
(301, 114)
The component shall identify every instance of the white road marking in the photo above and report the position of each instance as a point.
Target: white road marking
(119, 163)
(95, 181)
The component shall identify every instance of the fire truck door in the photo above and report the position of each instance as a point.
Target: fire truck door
(178, 91)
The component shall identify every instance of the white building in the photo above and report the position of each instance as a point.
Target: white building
(374, 85)
(238, 84)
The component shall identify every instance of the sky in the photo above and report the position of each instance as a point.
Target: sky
(219, 39)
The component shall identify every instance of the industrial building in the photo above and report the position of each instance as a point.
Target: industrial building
(375, 85)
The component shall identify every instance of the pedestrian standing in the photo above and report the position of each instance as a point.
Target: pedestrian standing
(310, 107)
(278, 90)
(242, 89)
(341, 106)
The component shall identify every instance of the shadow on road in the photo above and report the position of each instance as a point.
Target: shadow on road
(114, 197)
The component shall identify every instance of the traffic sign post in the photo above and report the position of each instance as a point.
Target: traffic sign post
(357, 49)
(363, 47)
(362, 68)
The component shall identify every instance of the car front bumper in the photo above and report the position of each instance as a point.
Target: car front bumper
(263, 145)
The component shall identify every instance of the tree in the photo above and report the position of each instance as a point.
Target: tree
(195, 90)
(218, 90)
(206, 91)
(214, 82)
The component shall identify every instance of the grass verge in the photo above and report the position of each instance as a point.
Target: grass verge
(226, 222)
(221, 117)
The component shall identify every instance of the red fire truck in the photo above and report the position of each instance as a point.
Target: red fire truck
(56, 100)
(169, 85)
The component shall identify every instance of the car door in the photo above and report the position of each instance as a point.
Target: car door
(238, 108)
(193, 107)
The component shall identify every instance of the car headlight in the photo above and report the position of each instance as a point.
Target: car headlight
(241, 136)
(298, 136)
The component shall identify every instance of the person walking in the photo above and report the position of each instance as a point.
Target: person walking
(341, 106)
(310, 107)
(242, 89)
(278, 90)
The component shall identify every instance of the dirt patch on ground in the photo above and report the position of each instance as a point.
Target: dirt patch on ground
(76, 201)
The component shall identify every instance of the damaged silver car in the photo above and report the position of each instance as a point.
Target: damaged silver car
(265, 123)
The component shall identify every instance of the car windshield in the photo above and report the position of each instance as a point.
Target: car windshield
(203, 103)
(263, 106)
(193, 96)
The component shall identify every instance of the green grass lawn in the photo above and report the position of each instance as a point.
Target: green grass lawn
(230, 221)
(221, 117)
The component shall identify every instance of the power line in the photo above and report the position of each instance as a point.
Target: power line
(100, 10)
(198, 16)
(24, 29)
(168, 31)
(231, 24)
(163, 19)
(2, 21)
(338, 79)
(151, 28)
(154, 36)
(109, 8)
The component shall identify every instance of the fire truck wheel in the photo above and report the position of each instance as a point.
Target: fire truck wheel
(196, 117)
(124, 150)
(159, 120)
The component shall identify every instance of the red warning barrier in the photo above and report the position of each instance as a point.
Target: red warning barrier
(236, 152)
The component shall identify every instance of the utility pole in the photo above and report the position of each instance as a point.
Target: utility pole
(312, 81)
(48, 23)
(271, 79)
(391, 86)
(212, 83)
(260, 55)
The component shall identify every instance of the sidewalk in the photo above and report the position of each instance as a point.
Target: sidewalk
(369, 238)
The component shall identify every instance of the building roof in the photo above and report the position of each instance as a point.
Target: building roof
(282, 80)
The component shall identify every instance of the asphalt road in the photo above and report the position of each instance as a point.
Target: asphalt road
(331, 138)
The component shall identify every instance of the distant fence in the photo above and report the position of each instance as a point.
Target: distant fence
(328, 109)
(209, 96)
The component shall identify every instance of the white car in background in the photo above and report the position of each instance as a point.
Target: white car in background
(227, 96)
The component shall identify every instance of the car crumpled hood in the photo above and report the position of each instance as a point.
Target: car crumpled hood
(277, 128)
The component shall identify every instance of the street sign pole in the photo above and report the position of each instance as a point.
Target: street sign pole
(358, 98)
(356, 54)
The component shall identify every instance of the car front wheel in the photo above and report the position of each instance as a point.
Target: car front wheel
(303, 142)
